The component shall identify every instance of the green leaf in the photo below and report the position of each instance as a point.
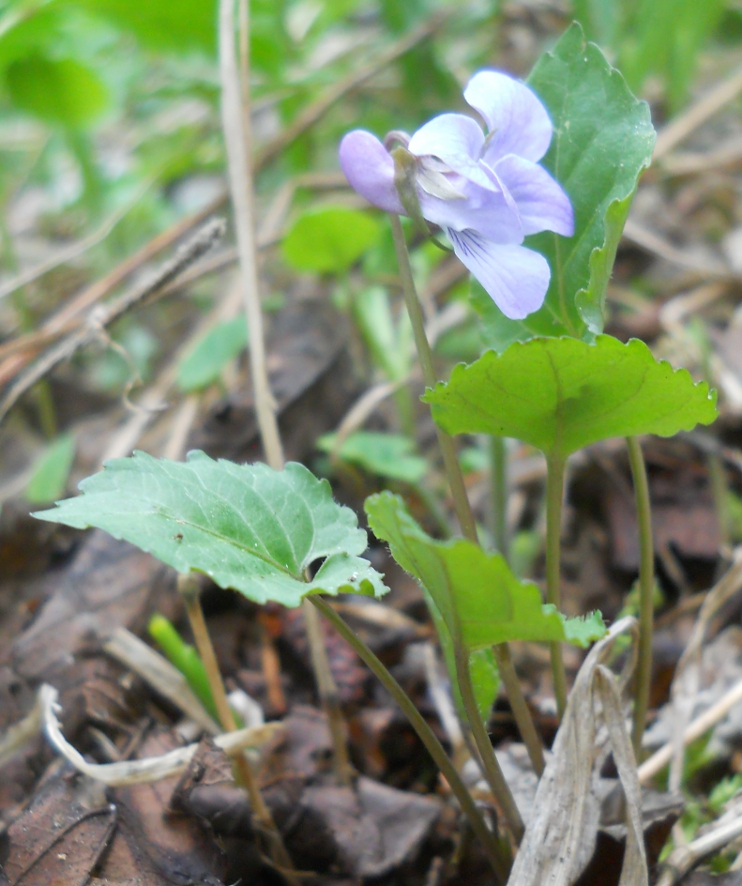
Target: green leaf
(560, 394)
(162, 24)
(603, 140)
(330, 239)
(387, 455)
(185, 658)
(390, 342)
(246, 526)
(485, 678)
(479, 599)
(204, 363)
(59, 91)
(51, 471)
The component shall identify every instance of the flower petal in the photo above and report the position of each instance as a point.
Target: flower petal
(491, 213)
(518, 123)
(455, 139)
(514, 277)
(369, 168)
(541, 202)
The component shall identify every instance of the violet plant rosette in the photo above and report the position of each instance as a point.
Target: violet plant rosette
(486, 192)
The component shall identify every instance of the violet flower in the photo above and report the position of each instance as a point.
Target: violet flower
(486, 192)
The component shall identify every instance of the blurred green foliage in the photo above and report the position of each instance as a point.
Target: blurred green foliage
(660, 37)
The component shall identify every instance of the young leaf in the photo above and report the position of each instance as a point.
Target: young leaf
(478, 598)
(387, 455)
(560, 394)
(56, 90)
(51, 471)
(330, 239)
(204, 363)
(161, 24)
(246, 526)
(603, 140)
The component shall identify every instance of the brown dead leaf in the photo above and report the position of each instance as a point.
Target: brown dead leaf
(59, 838)
(109, 583)
(175, 849)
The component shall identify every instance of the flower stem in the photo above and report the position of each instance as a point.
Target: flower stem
(646, 591)
(499, 488)
(425, 355)
(554, 495)
(495, 854)
(189, 590)
(492, 771)
(455, 478)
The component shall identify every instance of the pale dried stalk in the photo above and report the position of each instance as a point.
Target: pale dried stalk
(236, 126)
(686, 681)
(682, 859)
(190, 591)
(709, 718)
(152, 768)
(235, 123)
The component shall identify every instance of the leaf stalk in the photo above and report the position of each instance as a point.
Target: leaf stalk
(495, 853)
(646, 591)
(554, 496)
(492, 771)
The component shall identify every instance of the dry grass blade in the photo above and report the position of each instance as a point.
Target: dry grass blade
(560, 836)
(102, 316)
(71, 252)
(686, 681)
(153, 768)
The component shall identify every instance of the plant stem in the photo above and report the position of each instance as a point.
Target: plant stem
(425, 355)
(554, 495)
(328, 693)
(646, 591)
(189, 590)
(492, 771)
(493, 849)
(464, 513)
(236, 126)
(499, 487)
(519, 707)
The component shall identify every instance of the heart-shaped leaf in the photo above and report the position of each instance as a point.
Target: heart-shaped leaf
(248, 527)
(560, 394)
(476, 595)
(603, 140)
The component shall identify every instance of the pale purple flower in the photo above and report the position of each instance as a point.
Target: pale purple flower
(486, 192)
